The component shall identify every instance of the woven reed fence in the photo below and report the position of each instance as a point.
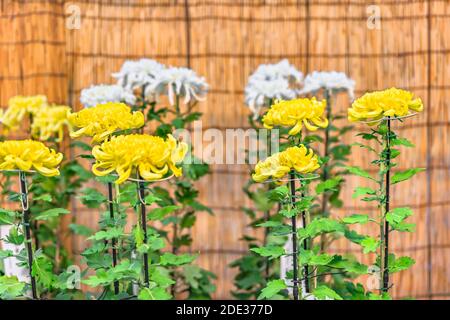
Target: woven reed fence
(225, 41)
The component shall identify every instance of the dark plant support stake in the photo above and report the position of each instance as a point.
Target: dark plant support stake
(386, 223)
(27, 228)
(294, 239)
(113, 240)
(305, 247)
(144, 228)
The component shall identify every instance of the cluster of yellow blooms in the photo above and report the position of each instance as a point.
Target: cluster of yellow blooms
(49, 120)
(19, 107)
(29, 155)
(376, 105)
(301, 159)
(151, 156)
(103, 120)
(296, 113)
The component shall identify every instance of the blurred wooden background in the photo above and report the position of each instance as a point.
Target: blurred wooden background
(225, 40)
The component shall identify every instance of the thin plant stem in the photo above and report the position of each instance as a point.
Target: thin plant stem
(267, 212)
(27, 230)
(386, 223)
(113, 240)
(294, 240)
(143, 217)
(325, 167)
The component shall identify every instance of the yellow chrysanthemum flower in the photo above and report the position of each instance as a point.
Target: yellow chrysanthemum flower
(103, 120)
(151, 156)
(296, 113)
(19, 107)
(376, 105)
(50, 120)
(29, 155)
(300, 159)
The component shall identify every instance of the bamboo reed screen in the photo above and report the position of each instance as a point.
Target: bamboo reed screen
(225, 41)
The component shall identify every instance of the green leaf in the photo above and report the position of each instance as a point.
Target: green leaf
(161, 276)
(51, 213)
(80, 229)
(405, 175)
(7, 216)
(367, 136)
(10, 287)
(45, 197)
(289, 212)
(362, 191)
(357, 144)
(359, 172)
(370, 244)
(269, 251)
(150, 199)
(278, 194)
(6, 254)
(308, 257)
(404, 227)
(397, 215)
(324, 293)
(157, 293)
(400, 264)
(15, 236)
(42, 270)
(107, 234)
(160, 213)
(356, 218)
(272, 288)
(101, 278)
(403, 142)
(92, 198)
(169, 259)
(320, 226)
(270, 224)
(328, 185)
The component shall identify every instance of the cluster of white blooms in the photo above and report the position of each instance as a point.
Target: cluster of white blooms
(182, 82)
(99, 94)
(155, 80)
(269, 82)
(332, 81)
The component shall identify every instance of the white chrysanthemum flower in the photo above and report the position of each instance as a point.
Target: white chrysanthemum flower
(183, 82)
(333, 81)
(98, 94)
(259, 93)
(269, 82)
(282, 69)
(136, 74)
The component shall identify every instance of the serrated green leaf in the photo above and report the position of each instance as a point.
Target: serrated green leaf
(272, 288)
(325, 293)
(7, 217)
(328, 185)
(45, 197)
(6, 254)
(80, 229)
(157, 293)
(403, 142)
(278, 194)
(169, 259)
(397, 215)
(42, 270)
(370, 244)
(107, 234)
(308, 257)
(359, 172)
(270, 224)
(51, 213)
(320, 226)
(160, 213)
(405, 175)
(362, 191)
(10, 287)
(150, 199)
(400, 264)
(269, 251)
(356, 218)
